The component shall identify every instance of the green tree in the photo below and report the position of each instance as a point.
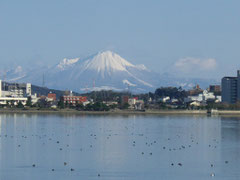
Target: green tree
(113, 106)
(20, 105)
(12, 103)
(125, 106)
(172, 92)
(8, 104)
(29, 101)
(89, 107)
(61, 104)
(71, 105)
(66, 104)
(80, 106)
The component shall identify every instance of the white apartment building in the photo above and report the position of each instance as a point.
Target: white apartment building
(14, 93)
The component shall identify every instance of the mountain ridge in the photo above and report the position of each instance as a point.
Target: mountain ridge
(104, 70)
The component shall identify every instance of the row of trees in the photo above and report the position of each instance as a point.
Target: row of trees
(12, 104)
(172, 92)
(93, 106)
(100, 96)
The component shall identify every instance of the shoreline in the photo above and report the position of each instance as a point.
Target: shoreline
(73, 111)
(121, 112)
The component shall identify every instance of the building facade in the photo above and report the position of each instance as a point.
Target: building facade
(74, 100)
(231, 89)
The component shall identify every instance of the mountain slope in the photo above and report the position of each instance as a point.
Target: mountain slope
(104, 70)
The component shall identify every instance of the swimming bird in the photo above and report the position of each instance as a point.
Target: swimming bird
(180, 164)
(212, 174)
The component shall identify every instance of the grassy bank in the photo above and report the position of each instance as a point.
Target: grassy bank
(120, 112)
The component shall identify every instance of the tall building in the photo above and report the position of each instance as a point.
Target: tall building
(231, 89)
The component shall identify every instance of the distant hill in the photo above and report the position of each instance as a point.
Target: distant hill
(44, 91)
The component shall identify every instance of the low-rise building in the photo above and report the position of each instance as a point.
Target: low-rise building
(110, 103)
(74, 100)
(139, 105)
(165, 99)
(195, 91)
(13, 100)
(132, 101)
(34, 98)
(125, 99)
(215, 88)
(135, 103)
(52, 96)
(203, 97)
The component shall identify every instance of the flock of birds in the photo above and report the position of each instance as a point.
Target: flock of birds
(138, 138)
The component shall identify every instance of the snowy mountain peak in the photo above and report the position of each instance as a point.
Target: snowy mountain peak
(107, 61)
(67, 62)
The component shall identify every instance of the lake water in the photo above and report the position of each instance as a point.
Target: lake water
(118, 147)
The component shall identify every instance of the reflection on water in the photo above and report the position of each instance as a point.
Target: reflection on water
(118, 147)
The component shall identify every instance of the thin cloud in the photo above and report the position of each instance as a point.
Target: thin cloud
(193, 65)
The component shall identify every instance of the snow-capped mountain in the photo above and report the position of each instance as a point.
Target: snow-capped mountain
(104, 70)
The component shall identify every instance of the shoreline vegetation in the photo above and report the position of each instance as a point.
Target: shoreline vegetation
(121, 112)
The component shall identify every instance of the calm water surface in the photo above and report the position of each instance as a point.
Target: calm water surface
(118, 147)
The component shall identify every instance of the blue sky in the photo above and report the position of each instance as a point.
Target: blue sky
(198, 38)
